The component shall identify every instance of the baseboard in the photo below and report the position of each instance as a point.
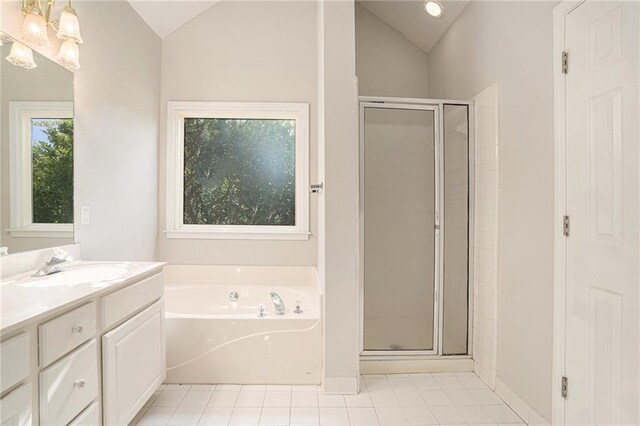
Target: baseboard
(517, 404)
(340, 385)
(415, 366)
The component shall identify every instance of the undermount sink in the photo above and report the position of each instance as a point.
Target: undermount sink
(72, 275)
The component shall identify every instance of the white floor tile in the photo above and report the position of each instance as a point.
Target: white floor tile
(183, 387)
(410, 398)
(391, 416)
(331, 400)
(435, 398)
(384, 399)
(305, 388)
(425, 382)
(401, 383)
(448, 382)
(419, 416)
(277, 399)
(304, 416)
(375, 384)
(486, 397)
(250, 398)
(471, 382)
(460, 397)
(360, 416)
(502, 414)
(157, 416)
(448, 415)
(235, 388)
(275, 416)
(170, 398)
(475, 414)
(186, 416)
(223, 398)
(333, 416)
(196, 398)
(279, 388)
(359, 400)
(374, 376)
(255, 387)
(203, 387)
(216, 416)
(243, 416)
(304, 399)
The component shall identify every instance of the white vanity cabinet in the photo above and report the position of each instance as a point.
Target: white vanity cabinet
(95, 361)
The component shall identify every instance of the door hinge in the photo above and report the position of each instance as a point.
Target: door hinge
(565, 386)
(566, 226)
(565, 62)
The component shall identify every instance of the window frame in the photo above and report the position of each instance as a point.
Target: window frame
(176, 114)
(21, 168)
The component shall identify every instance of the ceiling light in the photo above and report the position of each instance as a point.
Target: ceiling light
(69, 55)
(21, 56)
(34, 28)
(69, 25)
(433, 8)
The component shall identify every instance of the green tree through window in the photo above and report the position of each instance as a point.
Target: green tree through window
(52, 170)
(239, 171)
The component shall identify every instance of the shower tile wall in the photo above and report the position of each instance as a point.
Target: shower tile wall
(486, 236)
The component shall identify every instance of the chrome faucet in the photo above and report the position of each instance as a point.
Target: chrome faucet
(277, 303)
(52, 266)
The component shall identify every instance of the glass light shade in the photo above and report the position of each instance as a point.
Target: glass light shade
(21, 56)
(34, 28)
(433, 8)
(69, 28)
(69, 55)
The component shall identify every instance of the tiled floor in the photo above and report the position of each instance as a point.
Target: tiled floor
(394, 399)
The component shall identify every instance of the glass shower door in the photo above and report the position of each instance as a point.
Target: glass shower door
(399, 192)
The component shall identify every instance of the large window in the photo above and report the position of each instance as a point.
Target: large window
(237, 170)
(41, 135)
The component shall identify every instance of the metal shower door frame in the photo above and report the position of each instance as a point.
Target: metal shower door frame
(437, 106)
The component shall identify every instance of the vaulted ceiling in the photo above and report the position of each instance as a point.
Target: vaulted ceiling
(409, 17)
(164, 17)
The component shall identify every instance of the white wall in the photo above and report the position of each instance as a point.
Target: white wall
(243, 51)
(339, 208)
(116, 129)
(510, 43)
(387, 63)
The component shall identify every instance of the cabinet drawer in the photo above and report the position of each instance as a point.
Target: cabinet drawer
(123, 303)
(14, 361)
(89, 417)
(15, 408)
(66, 332)
(69, 385)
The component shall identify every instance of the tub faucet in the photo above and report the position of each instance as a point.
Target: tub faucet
(277, 303)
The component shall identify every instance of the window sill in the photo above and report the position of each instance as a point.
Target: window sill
(236, 235)
(66, 232)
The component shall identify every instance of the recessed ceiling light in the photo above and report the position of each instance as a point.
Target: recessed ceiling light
(433, 8)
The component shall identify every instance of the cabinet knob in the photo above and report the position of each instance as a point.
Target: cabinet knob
(78, 329)
(79, 383)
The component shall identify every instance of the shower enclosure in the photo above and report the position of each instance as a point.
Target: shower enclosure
(415, 224)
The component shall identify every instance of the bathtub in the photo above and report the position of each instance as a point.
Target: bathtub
(212, 339)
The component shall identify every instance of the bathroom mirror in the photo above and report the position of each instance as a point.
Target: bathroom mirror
(36, 155)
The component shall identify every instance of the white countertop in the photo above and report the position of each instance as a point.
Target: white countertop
(24, 299)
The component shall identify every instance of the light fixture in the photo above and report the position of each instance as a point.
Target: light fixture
(21, 56)
(69, 55)
(433, 8)
(69, 28)
(38, 18)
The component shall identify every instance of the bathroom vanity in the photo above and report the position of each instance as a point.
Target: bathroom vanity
(85, 346)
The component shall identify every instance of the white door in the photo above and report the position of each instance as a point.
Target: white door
(134, 364)
(602, 119)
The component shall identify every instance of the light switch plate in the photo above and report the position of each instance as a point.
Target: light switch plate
(85, 215)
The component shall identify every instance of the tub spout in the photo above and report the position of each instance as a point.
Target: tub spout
(277, 303)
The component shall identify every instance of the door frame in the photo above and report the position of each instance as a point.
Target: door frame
(437, 106)
(560, 13)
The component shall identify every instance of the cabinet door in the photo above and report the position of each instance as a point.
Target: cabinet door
(15, 408)
(134, 364)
